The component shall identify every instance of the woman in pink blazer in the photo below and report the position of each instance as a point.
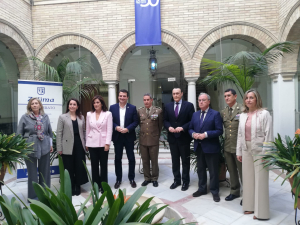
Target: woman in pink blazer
(98, 138)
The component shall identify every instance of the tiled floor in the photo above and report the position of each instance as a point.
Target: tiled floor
(203, 209)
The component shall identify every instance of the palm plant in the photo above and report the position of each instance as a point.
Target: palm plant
(70, 74)
(58, 208)
(285, 155)
(242, 68)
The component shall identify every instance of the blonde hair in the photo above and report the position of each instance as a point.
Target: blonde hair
(259, 105)
(29, 110)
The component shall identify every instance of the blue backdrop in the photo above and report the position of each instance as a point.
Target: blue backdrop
(147, 22)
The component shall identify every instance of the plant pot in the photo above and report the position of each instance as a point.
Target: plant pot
(291, 180)
(222, 173)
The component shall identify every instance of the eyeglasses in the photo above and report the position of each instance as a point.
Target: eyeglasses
(202, 100)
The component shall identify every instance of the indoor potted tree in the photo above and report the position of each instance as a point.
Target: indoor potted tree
(285, 155)
(13, 149)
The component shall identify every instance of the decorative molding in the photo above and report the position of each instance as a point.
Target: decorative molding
(287, 18)
(111, 82)
(68, 34)
(30, 48)
(288, 76)
(273, 37)
(274, 76)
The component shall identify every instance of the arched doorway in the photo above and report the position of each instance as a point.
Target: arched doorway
(226, 48)
(135, 75)
(9, 75)
(92, 70)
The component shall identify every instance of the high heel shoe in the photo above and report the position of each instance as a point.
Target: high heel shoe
(248, 212)
(255, 218)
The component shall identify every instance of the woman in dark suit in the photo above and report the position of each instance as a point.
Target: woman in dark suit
(35, 127)
(70, 140)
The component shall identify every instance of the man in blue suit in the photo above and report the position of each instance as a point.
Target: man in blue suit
(125, 120)
(177, 117)
(206, 127)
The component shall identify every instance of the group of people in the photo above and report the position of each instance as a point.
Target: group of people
(246, 126)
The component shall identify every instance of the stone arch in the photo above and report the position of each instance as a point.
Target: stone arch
(20, 47)
(60, 42)
(290, 32)
(127, 43)
(255, 34)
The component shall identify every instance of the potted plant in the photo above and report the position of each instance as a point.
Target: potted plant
(13, 149)
(58, 208)
(285, 155)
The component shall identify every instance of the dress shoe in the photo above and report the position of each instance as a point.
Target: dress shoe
(174, 185)
(241, 203)
(77, 190)
(185, 186)
(101, 190)
(155, 184)
(199, 193)
(248, 212)
(216, 197)
(133, 184)
(146, 182)
(231, 197)
(117, 184)
(255, 218)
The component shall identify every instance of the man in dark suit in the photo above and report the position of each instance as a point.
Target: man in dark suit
(125, 120)
(177, 117)
(206, 127)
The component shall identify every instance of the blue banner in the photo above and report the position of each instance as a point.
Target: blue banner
(147, 22)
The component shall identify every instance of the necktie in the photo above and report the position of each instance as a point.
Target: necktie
(176, 109)
(202, 117)
(148, 110)
(230, 112)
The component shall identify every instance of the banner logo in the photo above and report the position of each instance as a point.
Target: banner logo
(41, 90)
(146, 3)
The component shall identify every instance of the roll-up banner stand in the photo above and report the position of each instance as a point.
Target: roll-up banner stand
(50, 94)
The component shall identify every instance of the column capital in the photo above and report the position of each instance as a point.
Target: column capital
(286, 76)
(112, 82)
(191, 79)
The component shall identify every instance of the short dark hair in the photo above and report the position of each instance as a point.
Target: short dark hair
(100, 98)
(231, 90)
(124, 91)
(78, 112)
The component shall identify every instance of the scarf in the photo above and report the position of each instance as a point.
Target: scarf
(39, 127)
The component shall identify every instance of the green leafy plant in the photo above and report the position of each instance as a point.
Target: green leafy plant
(13, 149)
(240, 69)
(285, 155)
(58, 208)
(71, 75)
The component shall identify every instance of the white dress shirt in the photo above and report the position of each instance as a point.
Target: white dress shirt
(122, 116)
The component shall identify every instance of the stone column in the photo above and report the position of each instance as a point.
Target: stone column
(111, 92)
(192, 90)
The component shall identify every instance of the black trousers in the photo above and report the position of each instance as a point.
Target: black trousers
(210, 161)
(129, 146)
(98, 155)
(180, 152)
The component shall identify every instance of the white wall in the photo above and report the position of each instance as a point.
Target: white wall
(284, 107)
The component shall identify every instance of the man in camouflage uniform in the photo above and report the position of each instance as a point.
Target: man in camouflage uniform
(151, 121)
(231, 115)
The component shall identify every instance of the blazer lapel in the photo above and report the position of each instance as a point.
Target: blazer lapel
(126, 114)
(69, 122)
(118, 115)
(208, 114)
